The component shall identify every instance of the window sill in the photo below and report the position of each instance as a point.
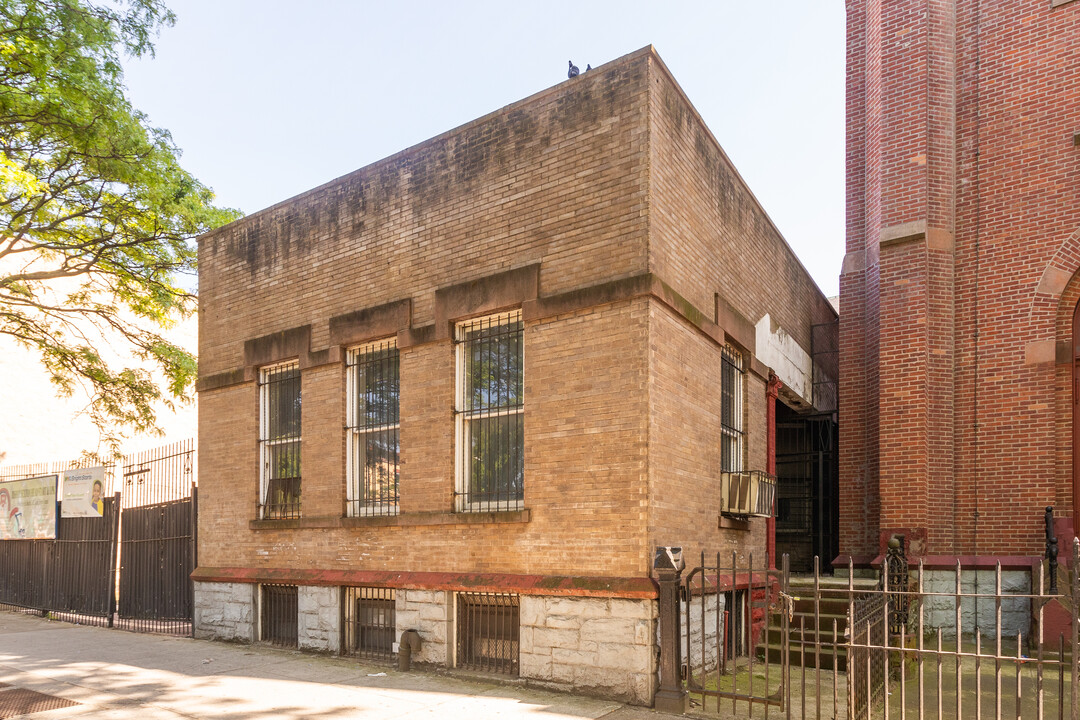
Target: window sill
(727, 522)
(415, 519)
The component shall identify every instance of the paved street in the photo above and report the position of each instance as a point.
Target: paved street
(118, 675)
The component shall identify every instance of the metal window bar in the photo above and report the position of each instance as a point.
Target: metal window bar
(278, 615)
(488, 627)
(369, 624)
(490, 414)
(731, 409)
(279, 441)
(374, 429)
(157, 540)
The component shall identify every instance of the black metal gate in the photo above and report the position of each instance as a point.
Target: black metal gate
(157, 540)
(69, 578)
(807, 488)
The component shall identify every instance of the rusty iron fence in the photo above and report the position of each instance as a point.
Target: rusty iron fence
(867, 658)
(130, 568)
(724, 635)
(929, 643)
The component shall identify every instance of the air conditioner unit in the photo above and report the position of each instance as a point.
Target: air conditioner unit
(747, 493)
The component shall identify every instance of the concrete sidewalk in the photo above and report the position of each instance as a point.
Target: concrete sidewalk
(119, 675)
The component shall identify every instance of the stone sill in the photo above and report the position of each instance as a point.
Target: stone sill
(414, 519)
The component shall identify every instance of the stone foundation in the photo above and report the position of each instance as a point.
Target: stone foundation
(318, 622)
(703, 653)
(604, 647)
(940, 612)
(427, 612)
(225, 611)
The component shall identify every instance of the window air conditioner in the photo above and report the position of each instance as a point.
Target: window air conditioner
(747, 493)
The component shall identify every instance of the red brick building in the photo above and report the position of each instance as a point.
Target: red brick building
(527, 351)
(959, 288)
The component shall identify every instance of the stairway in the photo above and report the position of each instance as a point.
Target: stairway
(802, 636)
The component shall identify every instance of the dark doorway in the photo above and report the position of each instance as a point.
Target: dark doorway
(807, 502)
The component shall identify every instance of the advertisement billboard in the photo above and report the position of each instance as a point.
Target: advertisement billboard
(83, 492)
(28, 509)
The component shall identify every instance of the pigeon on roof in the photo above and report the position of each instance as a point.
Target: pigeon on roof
(573, 70)
(588, 67)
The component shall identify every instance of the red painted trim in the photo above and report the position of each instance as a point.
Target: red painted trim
(631, 588)
(741, 582)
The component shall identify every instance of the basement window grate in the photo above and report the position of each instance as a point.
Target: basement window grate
(370, 622)
(278, 611)
(488, 626)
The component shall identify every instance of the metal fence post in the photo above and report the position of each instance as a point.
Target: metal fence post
(670, 697)
(114, 557)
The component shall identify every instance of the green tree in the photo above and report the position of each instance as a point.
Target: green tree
(97, 218)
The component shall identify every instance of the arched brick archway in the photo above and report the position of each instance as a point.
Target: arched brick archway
(1067, 342)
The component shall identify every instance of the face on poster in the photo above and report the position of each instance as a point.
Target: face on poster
(83, 492)
(28, 509)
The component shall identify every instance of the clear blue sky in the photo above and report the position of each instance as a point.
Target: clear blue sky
(269, 98)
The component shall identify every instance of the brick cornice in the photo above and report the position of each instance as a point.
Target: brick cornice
(512, 288)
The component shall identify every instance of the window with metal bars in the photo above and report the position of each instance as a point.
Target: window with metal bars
(374, 429)
(278, 615)
(731, 409)
(279, 441)
(369, 625)
(490, 414)
(488, 627)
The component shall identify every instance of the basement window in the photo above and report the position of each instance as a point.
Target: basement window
(488, 626)
(370, 622)
(278, 615)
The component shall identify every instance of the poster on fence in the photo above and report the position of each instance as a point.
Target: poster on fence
(28, 509)
(83, 492)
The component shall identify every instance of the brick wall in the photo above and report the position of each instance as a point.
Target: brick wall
(962, 198)
(549, 205)
(708, 234)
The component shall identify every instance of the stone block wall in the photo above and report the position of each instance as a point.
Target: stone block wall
(601, 646)
(940, 611)
(429, 613)
(703, 651)
(225, 611)
(318, 622)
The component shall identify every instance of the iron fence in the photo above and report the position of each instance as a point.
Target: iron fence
(69, 578)
(964, 643)
(730, 616)
(158, 540)
(128, 569)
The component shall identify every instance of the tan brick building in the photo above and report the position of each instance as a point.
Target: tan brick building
(526, 350)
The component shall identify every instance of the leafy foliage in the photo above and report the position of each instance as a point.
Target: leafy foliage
(97, 218)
